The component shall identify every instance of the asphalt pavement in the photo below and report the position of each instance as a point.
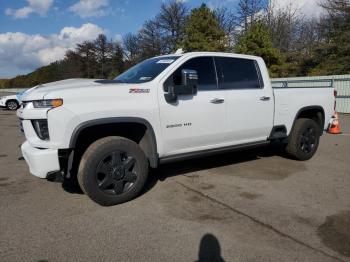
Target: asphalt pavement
(255, 205)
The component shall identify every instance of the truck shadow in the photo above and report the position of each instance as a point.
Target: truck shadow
(166, 171)
(183, 168)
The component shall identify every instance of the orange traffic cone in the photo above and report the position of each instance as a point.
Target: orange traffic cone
(334, 127)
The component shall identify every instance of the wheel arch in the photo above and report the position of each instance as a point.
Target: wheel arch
(148, 142)
(312, 112)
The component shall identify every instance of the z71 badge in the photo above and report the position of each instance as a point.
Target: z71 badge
(139, 91)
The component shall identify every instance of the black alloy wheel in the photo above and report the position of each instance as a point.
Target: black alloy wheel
(116, 173)
(304, 139)
(308, 140)
(12, 105)
(113, 170)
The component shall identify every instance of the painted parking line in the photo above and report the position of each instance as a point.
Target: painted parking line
(344, 134)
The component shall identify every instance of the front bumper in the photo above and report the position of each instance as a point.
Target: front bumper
(41, 162)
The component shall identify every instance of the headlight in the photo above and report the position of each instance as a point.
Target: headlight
(49, 103)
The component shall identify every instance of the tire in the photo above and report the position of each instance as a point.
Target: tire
(304, 139)
(12, 105)
(113, 170)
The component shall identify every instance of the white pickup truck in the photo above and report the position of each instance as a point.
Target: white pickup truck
(109, 132)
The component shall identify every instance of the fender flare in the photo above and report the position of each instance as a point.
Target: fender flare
(153, 158)
(306, 108)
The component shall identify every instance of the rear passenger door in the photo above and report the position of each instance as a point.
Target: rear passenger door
(249, 104)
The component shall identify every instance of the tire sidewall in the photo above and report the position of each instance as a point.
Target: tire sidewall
(90, 160)
(12, 101)
(305, 125)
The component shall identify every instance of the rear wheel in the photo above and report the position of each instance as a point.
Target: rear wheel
(113, 170)
(12, 105)
(304, 139)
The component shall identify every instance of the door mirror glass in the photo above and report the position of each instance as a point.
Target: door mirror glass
(189, 82)
(189, 77)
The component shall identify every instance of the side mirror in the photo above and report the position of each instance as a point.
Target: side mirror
(189, 83)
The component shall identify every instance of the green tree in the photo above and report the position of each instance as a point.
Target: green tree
(102, 52)
(116, 64)
(333, 56)
(203, 32)
(85, 53)
(257, 41)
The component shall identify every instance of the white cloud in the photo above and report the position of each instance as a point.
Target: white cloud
(40, 7)
(22, 53)
(118, 38)
(8, 11)
(308, 8)
(91, 8)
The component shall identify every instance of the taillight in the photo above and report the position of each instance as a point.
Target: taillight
(335, 99)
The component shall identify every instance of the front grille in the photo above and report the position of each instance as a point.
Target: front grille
(41, 128)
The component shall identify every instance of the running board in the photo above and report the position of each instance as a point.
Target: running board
(209, 152)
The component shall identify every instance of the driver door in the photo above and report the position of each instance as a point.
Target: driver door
(194, 122)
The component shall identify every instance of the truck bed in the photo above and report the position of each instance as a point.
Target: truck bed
(289, 100)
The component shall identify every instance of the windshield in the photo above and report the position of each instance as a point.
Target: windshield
(147, 70)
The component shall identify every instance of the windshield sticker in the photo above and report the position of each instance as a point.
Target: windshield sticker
(145, 78)
(165, 61)
(139, 91)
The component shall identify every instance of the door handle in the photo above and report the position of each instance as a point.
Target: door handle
(217, 101)
(265, 98)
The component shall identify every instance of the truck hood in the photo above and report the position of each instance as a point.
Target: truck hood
(41, 91)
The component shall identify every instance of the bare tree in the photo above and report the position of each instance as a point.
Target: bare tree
(336, 7)
(171, 20)
(284, 25)
(228, 21)
(151, 40)
(248, 12)
(131, 46)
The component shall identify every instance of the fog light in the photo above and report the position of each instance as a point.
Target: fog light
(41, 128)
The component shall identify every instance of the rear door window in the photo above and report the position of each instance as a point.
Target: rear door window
(238, 73)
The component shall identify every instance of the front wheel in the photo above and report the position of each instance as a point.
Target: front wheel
(113, 170)
(12, 105)
(304, 139)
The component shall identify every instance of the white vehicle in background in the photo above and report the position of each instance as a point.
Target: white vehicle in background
(168, 108)
(10, 102)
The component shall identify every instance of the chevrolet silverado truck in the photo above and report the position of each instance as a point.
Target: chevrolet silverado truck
(109, 133)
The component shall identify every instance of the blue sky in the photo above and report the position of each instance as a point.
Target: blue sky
(34, 33)
(117, 16)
